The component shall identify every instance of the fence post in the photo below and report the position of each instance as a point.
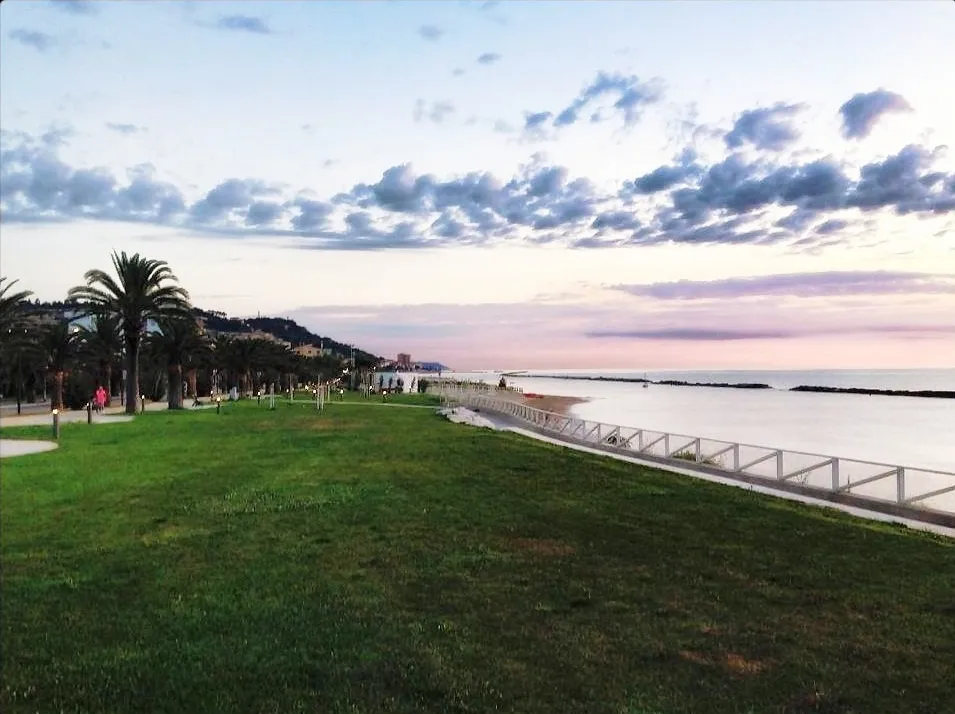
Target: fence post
(779, 465)
(835, 474)
(900, 484)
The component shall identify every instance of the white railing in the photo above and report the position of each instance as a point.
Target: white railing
(924, 489)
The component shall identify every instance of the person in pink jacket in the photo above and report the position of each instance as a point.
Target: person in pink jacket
(100, 398)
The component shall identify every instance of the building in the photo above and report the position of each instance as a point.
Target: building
(260, 335)
(404, 361)
(312, 351)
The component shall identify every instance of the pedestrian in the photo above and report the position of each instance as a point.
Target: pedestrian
(100, 399)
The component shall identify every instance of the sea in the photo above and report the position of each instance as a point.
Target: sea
(917, 432)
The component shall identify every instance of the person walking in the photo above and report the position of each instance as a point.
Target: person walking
(100, 399)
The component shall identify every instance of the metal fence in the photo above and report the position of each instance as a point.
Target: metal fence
(885, 483)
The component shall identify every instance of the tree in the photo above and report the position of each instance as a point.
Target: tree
(12, 305)
(143, 290)
(103, 345)
(17, 341)
(59, 345)
(178, 338)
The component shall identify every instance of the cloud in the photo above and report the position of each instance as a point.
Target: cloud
(704, 334)
(799, 285)
(39, 41)
(458, 71)
(243, 23)
(503, 127)
(124, 128)
(631, 93)
(436, 112)
(489, 58)
(432, 33)
(683, 202)
(766, 128)
(666, 177)
(864, 110)
(693, 334)
(75, 7)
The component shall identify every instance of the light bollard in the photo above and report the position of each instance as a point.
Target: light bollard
(272, 396)
(142, 403)
(218, 405)
(89, 412)
(56, 423)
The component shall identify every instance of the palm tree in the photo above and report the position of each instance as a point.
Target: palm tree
(178, 338)
(12, 305)
(17, 341)
(143, 290)
(20, 359)
(103, 345)
(59, 345)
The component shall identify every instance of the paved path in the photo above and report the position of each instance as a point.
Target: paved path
(21, 447)
(112, 415)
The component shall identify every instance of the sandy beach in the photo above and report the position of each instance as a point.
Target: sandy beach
(551, 403)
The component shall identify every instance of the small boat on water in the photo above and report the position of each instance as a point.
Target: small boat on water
(645, 382)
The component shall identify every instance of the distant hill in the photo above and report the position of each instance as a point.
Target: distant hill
(281, 328)
(219, 322)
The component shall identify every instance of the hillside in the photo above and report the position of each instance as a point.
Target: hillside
(281, 328)
(219, 322)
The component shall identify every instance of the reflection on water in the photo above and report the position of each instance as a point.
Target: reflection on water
(908, 431)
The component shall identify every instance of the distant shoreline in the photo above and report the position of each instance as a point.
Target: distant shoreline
(927, 393)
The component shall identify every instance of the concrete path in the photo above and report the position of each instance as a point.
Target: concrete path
(21, 447)
(112, 415)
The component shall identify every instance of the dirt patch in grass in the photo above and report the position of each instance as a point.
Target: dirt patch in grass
(543, 546)
(735, 663)
(694, 657)
(550, 403)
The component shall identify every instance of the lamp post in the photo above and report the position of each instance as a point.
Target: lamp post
(56, 423)
(89, 412)
(142, 403)
(218, 405)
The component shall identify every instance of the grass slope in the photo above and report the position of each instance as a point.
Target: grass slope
(380, 559)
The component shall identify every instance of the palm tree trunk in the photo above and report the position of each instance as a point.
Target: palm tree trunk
(191, 378)
(132, 376)
(175, 386)
(58, 389)
(109, 383)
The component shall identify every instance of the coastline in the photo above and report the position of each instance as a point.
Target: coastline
(553, 403)
(922, 393)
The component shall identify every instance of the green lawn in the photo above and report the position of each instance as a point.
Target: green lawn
(380, 559)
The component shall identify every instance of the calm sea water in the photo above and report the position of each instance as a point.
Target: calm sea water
(909, 431)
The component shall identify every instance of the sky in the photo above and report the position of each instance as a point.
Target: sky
(515, 185)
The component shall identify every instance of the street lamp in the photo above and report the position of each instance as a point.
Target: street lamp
(56, 423)
(218, 405)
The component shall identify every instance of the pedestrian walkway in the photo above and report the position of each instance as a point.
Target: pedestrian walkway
(22, 447)
(111, 415)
